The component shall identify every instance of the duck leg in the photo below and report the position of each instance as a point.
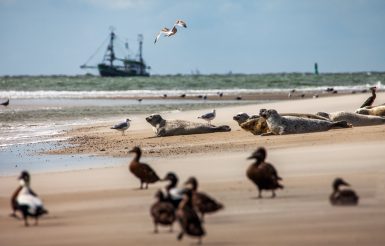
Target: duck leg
(272, 194)
(146, 186)
(155, 227)
(141, 184)
(25, 220)
(180, 235)
(259, 193)
(171, 229)
(36, 221)
(199, 240)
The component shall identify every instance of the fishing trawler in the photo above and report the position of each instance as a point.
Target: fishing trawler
(112, 66)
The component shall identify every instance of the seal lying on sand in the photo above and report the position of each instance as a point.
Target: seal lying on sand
(280, 125)
(377, 111)
(257, 125)
(254, 124)
(164, 127)
(354, 118)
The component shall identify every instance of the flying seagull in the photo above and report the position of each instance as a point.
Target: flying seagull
(122, 126)
(208, 116)
(170, 32)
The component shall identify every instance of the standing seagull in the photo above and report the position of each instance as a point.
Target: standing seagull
(167, 32)
(208, 117)
(371, 99)
(122, 126)
(6, 103)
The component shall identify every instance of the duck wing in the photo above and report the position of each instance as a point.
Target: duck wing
(205, 203)
(163, 212)
(146, 173)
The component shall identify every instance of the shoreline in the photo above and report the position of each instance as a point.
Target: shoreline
(100, 206)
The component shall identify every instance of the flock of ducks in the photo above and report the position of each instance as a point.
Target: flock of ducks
(186, 205)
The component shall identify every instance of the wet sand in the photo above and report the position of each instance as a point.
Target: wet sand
(104, 206)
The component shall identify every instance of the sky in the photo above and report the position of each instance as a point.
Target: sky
(49, 37)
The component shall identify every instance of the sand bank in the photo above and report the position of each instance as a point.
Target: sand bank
(104, 206)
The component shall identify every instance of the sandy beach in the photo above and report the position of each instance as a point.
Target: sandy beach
(105, 207)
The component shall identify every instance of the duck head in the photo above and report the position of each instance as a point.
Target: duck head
(136, 150)
(159, 195)
(170, 176)
(192, 182)
(259, 155)
(24, 178)
(338, 182)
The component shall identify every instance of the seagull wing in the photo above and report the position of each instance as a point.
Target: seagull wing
(120, 126)
(181, 23)
(157, 37)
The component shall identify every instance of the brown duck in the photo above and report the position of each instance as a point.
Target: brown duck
(263, 174)
(162, 212)
(188, 219)
(370, 99)
(142, 170)
(201, 201)
(342, 197)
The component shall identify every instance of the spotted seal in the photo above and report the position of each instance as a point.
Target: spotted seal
(280, 125)
(354, 118)
(254, 124)
(377, 111)
(257, 125)
(164, 127)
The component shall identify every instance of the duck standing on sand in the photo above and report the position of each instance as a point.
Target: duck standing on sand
(201, 201)
(162, 212)
(27, 201)
(342, 197)
(122, 126)
(142, 170)
(188, 218)
(208, 116)
(174, 194)
(370, 99)
(263, 174)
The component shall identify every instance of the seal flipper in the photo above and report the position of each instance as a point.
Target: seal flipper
(342, 124)
(223, 128)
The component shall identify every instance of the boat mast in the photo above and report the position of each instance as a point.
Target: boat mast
(110, 49)
(140, 39)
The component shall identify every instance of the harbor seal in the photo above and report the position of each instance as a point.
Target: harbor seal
(254, 124)
(354, 118)
(257, 125)
(280, 125)
(377, 111)
(163, 128)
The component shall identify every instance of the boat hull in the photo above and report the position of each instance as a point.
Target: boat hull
(113, 71)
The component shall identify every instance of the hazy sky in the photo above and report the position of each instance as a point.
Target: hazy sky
(242, 36)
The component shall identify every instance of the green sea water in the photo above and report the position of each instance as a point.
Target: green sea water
(191, 82)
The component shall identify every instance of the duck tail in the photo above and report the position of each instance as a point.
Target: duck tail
(280, 186)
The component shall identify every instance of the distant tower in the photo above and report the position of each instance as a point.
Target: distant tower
(315, 68)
